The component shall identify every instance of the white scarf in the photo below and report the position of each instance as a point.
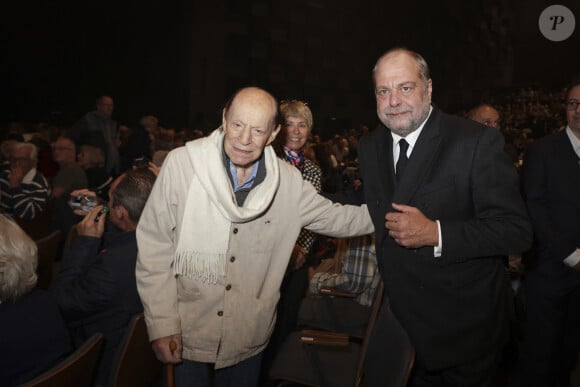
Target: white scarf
(211, 208)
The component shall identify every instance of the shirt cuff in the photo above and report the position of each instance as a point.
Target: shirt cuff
(572, 259)
(437, 250)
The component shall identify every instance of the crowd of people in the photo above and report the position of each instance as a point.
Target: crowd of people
(219, 237)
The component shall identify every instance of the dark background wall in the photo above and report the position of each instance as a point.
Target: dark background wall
(181, 59)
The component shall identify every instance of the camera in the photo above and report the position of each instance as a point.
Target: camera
(76, 202)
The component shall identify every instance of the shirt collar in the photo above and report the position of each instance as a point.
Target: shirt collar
(249, 181)
(574, 140)
(27, 179)
(411, 138)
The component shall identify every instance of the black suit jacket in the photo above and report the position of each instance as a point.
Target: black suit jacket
(551, 186)
(453, 306)
(97, 291)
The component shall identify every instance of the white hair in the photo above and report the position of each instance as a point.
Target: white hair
(18, 261)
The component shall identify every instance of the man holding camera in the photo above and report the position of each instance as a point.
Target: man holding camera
(96, 287)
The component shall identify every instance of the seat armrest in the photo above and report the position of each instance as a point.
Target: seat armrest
(327, 290)
(310, 336)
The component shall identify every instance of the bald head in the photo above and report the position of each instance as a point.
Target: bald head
(249, 121)
(257, 98)
(486, 115)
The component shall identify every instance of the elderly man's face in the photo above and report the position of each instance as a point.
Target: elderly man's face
(573, 115)
(249, 126)
(403, 98)
(20, 158)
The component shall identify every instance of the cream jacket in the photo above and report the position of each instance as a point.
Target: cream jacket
(232, 320)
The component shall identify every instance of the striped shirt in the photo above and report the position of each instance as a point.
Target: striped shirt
(26, 201)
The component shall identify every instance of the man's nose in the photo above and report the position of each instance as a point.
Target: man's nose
(246, 135)
(394, 98)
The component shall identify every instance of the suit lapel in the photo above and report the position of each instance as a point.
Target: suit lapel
(569, 160)
(421, 160)
(385, 160)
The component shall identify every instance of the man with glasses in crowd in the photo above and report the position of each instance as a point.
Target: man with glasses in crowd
(551, 186)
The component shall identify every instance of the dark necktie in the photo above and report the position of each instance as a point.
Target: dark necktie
(403, 159)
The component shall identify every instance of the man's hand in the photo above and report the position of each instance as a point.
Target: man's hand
(16, 176)
(91, 227)
(298, 257)
(162, 348)
(410, 228)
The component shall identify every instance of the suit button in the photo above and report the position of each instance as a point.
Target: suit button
(220, 313)
(235, 230)
(228, 287)
(232, 259)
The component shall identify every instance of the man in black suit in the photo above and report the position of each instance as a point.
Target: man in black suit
(453, 210)
(551, 186)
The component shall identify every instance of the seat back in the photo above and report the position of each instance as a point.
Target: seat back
(73, 233)
(322, 358)
(135, 363)
(377, 302)
(76, 370)
(397, 354)
(47, 252)
(39, 227)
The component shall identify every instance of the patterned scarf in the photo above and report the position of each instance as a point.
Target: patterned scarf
(294, 158)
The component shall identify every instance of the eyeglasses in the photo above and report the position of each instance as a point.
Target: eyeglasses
(572, 104)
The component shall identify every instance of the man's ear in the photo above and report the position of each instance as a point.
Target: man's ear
(121, 212)
(224, 119)
(274, 134)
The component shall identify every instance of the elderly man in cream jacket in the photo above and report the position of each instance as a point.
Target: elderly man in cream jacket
(214, 241)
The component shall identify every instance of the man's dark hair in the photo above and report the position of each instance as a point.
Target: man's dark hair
(133, 191)
(572, 84)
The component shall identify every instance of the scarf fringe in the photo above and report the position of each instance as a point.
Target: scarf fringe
(203, 267)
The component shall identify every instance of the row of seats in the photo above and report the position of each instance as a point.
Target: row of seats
(135, 365)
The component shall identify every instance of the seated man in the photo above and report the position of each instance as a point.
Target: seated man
(70, 175)
(23, 190)
(96, 287)
(354, 270)
(358, 270)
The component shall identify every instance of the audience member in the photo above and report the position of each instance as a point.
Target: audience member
(357, 273)
(34, 336)
(8, 143)
(453, 210)
(97, 128)
(70, 175)
(215, 240)
(551, 186)
(92, 160)
(23, 190)
(138, 147)
(485, 114)
(96, 287)
(290, 145)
